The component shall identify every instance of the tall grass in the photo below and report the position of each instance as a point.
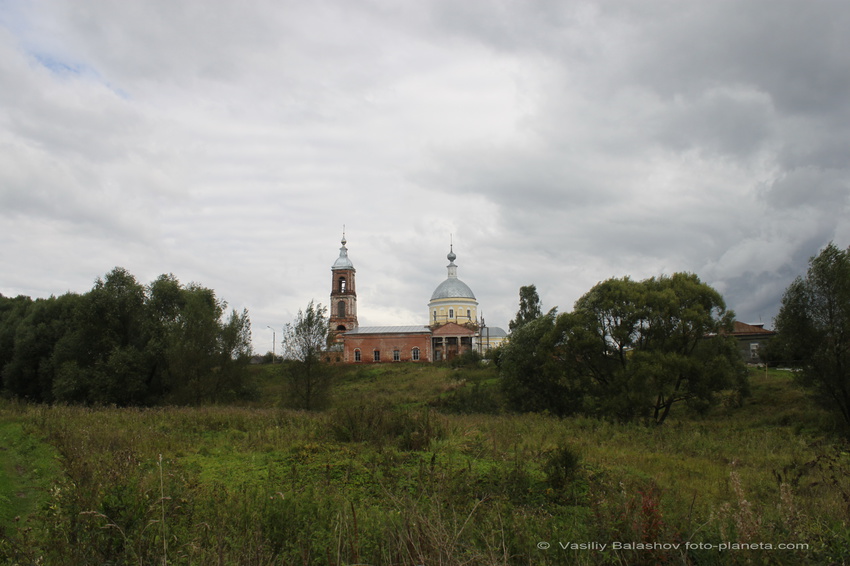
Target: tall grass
(384, 480)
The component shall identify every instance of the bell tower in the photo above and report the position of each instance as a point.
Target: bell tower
(343, 305)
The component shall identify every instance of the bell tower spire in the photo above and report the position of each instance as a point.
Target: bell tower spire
(343, 305)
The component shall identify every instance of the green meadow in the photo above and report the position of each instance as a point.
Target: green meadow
(417, 464)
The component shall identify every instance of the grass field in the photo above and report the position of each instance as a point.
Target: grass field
(401, 469)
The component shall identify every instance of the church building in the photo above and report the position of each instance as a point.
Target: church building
(453, 327)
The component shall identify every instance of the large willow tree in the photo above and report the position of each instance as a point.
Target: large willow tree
(629, 350)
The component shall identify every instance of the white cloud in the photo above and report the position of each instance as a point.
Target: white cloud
(560, 144)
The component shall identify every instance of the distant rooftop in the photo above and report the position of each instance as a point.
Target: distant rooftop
(742, 328)
(493, 332)
(389, 330)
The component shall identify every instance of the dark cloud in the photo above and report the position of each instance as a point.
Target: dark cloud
(792, 51)
(810, 187)
(724, 123)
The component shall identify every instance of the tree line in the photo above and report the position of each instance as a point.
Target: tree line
(634, 349)
(124, 343)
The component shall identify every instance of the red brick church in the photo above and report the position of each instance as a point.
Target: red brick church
(452, 330)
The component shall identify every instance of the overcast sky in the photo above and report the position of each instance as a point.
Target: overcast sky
(557, 143)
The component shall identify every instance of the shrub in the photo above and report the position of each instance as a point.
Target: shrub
(470, 358)
(560, 466)
(382, 425)
(473, 396)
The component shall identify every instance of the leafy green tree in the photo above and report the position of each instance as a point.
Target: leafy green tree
(191, 341)
(303, 342)
(528, 374)
(532, 378)
(813, 327)
(104, 359)
(31, 371)
(628, 350)
(205, 355)
(166, 300)
(234, 352)
(683, 365)
(529, 307)
(646, 346)
(12, 312)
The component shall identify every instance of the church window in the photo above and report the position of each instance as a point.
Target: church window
(435, 315)
(342, 284)
(357, 355)
(415, 354)
(451, 313)
(468, 314)
(340, 309)
(376, 356)
(396, 356)
(341, 328)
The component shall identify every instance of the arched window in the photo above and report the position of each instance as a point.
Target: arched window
(451, 314)
(357, 355)
(415, 354)
(342, 284)
(340, 309)
(468, 314)
(376, 356)
(396, 356)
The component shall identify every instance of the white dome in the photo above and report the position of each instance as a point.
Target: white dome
(452, 288)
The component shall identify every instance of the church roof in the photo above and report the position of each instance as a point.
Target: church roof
(452, 287)
(342, 262)
(389, 330)
(453, 329)
(494, 332)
